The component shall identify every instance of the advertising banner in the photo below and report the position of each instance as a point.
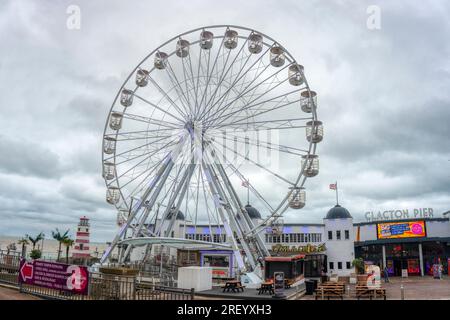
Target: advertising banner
(53, 275)
(278, 283)
(398, 230)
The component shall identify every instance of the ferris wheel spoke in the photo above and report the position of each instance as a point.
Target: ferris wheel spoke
(243, 178)
(177, 86)
(246, 90)
(209, 75)
(263, 124)
(224, 73)
(192, 105)
(268, 145)
(242, 108)
(257, 164)
(238, 78)
(166, 124)
(148, 156)
(166, 95)
(258, 71)
(250, 105)
(159, 108)
(149, 172)
(136, 148)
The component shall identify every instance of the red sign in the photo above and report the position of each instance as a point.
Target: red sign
(54, 275)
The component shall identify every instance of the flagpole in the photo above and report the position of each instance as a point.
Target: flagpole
(337, 195)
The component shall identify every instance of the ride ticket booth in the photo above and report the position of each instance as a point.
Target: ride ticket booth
(221, 262)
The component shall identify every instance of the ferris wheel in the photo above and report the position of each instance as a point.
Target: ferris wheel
(210, 119)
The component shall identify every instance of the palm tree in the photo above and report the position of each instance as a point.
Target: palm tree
(36, 239)
(60, 238)
(68, 242)
(24, 242)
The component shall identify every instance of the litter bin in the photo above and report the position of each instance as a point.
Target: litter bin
(309, 287)
(315, 283)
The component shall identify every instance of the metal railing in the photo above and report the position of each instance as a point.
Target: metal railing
(114, 287)
(9, 267)
(147, 285)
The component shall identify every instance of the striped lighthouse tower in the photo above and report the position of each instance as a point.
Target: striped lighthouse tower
(81, 249)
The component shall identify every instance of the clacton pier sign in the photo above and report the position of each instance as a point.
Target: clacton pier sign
(399, 214)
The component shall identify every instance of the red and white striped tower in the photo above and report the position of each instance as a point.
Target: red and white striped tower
(81, 249)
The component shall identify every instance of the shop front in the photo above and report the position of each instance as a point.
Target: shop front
(314, 260)
(409, 248)
(402, 256)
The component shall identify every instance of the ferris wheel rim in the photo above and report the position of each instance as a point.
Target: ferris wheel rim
(300, 180)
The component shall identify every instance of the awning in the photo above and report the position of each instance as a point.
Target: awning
(178, 243)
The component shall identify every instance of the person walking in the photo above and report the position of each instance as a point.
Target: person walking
(386, 274)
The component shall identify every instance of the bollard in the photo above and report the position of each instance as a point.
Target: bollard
(402, 292)
(348, 290)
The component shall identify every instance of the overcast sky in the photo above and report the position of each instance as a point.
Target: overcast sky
(384, 99)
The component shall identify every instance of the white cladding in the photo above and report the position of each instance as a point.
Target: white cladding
(340, 251)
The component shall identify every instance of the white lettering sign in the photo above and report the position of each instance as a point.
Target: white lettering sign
(399, 214)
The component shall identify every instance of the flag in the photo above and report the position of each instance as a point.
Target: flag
(245, 183)
(333, 186)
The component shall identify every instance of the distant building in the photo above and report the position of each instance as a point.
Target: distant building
(81, 249)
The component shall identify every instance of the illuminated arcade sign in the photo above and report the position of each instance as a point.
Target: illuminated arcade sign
(398, 230)
(399, 214)
(279, 248)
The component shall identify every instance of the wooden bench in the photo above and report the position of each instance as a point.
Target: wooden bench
(362, 291)
(329, 292)
(234, 286)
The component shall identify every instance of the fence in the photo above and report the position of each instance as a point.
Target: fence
(9, 266)
(113, 287)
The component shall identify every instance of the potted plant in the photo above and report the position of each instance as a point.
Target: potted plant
(358, 264)
(35, 254)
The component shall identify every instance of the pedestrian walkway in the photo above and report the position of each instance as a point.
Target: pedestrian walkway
(414, 288)
(14, 294)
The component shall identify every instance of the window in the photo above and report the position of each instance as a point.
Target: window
(338, 235)
(331, 265)
(347, 235)
(339, 265)
(330, 235)
(349, 266)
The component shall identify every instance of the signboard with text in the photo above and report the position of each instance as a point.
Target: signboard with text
(53, 275)
(399, 230)
(278, 283)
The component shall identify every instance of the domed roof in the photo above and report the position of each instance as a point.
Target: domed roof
(252, 212)
(180, 215)
(338, 212)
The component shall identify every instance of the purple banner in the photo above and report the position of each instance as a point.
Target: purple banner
(53, 275)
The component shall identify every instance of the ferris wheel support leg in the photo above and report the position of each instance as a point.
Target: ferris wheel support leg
(219, 193)
(222, 215)
(181, 197)
(166, 171)
(180, 191)
(162, 172)
(262, 250)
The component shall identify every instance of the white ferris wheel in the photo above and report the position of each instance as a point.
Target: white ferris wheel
(208, 119)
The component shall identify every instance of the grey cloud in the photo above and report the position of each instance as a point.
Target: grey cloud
(383, 97)
(25, 157)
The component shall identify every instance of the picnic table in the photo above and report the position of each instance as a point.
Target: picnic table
(363, 291)
(330, 290)
(266, 286)
(233, 285)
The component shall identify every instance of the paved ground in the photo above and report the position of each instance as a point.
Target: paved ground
(415, 288)
(13, 294)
